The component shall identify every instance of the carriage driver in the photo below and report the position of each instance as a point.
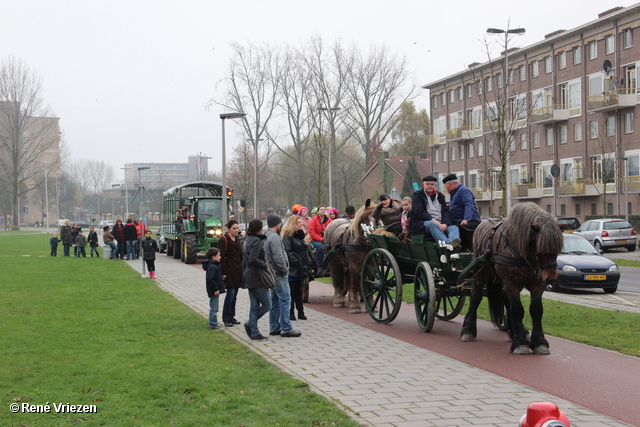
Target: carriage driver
(431, 214)
(463, 209)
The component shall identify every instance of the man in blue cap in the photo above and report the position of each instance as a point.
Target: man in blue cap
(431, 214)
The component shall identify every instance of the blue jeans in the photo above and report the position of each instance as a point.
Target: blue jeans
(114, 249)
(260, 305)
(95, 249)
(280, 306)
(131, 249)
(229, 307)
(319, 254)
(213, 310)
(452, 232)
(66, 249)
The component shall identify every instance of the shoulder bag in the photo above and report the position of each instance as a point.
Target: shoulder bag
(268, 277)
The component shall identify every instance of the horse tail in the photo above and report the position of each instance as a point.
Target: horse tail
(495, 296)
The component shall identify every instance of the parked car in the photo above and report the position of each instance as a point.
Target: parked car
(580, 265)
(607, 233)
(568, 224)
(162, 242)
(106, 222)
(84, 225)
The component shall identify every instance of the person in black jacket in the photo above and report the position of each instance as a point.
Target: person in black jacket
(293, 239)
(215, 286)
(431, 214)
(131, 237)
(254, 259)
(92, 238)
(149, 249)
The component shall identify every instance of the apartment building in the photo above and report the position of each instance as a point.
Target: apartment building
(161, 176)
(565, 111)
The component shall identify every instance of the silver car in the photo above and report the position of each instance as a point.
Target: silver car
(609, 233)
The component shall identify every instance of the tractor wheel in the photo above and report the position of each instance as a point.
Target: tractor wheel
(169, 248)
(190, 248)
(177, 249)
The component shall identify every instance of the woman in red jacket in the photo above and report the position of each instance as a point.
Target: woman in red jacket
(317, 225)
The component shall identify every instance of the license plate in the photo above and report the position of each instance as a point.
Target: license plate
(595, 277)
(622, 241)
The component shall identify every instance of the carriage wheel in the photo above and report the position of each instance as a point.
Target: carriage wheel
(425, 296)
(381, 285)
(449, 306)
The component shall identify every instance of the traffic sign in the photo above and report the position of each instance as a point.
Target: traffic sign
(240, 209)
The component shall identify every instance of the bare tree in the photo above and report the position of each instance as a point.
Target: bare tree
(253, 82)
(602, 163)
(29, 135)
(100, 175)
(374, 88)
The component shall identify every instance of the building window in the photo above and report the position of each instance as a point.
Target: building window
(461, 147)
(593, 49)
(577, 209)
(435, 155)
(523, 141)
(523, 73)
(562, 60)
(535, 69)
(628, 38)
(549, 136)
(563, 134)
(500, 80)
(594, 209)
(609, 208)
(577, 55)
(479, 86)
(593, 129)
(452, 97)
(480, 149)
(435, 101)
(490, 147)
(610, 44)
(563, 209)
(444, 155)
(444, 98)
(488, 83)
(460, 93)
(536, 139)
(577, 131)
(453, 154)
(548, 208)
(611, 125)
(628, 122)
(471, 150)
(548, 64)
(25, 209)
(511, 77)
(469, 92)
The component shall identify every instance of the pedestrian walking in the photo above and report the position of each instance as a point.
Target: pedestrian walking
(92, 238)
(231, 266)
(65, 235)
(131, 237)
(81, 244)
(149, 248)
(296, 249)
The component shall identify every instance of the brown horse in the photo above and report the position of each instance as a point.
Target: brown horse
(519, 253)
(346, 247)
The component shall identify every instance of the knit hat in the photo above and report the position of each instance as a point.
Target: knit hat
(295, 208)
(273, 220)
(303, 208)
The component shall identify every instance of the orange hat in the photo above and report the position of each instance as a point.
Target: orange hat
(296, 208)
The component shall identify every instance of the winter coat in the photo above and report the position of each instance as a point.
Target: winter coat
(149, 247)
(65, 235)
(93, 239)
(420, 208)
(298, 255)
(253, 258)
(462, 205)
(316, 228)
(214, 278)
(53, 242)
(74, 233)
(107, 237)
(231, 261)
(275, 253)
(81, 241)
(389, 216)
(130, 232)
(118, 233)
(305, 224)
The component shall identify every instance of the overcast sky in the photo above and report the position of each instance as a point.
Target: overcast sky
(130, 79)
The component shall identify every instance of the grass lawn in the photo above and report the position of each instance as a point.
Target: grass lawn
(626, 262)
(88, 331)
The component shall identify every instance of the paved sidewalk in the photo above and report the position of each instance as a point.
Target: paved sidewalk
(379, 380)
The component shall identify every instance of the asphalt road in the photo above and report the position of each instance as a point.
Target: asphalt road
(629, 280)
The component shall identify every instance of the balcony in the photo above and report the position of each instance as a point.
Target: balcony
(571, 187)
(613, 100)
(436, 139)
(633, 183)
(550, 114)
(595, 187)
(460, 134)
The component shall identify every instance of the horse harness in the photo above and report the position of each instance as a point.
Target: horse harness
(492, 257)
(338, 247)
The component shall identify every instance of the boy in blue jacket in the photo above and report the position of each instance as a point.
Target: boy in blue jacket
(53, 242)
(215, 286)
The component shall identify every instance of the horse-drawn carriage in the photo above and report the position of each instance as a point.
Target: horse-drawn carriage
(507, 256)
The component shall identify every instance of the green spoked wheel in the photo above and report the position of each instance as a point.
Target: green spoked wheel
(449, 306)
(381, 284)
(425, 296)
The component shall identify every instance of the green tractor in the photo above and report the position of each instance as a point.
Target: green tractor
(192, 217)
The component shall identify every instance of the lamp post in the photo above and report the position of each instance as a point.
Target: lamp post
(626, 187)
(113, 201)
(225, 203)
(46, 196)
(126, 192)
(505, 85)
(331, 113)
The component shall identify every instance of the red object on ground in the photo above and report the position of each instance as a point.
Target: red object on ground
(542, 414)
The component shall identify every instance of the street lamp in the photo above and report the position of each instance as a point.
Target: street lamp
(332, 116)
(46, 196)
(626, 187)
(225, 203)
(113, 201)
(505, 85)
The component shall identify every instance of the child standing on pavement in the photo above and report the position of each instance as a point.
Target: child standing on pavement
(53, 242)
(81, 243)
(93, 242)
(149, 248)
(215, 286)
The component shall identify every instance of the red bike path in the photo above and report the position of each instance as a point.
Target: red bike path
(600, 380)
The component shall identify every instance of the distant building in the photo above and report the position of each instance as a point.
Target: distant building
(370, 183)
(161, 176)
